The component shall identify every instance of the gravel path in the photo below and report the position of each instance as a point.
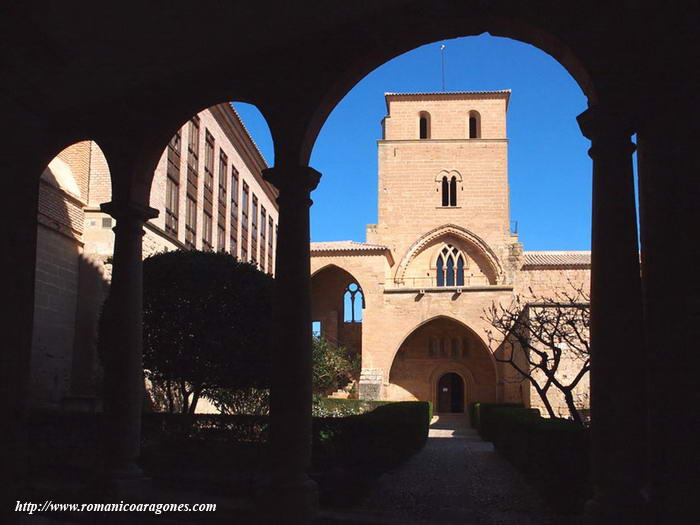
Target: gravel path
(456, 478)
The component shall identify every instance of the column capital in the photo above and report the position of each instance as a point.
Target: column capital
(608, 129)
(601, 120)
(290, 178)
(127, 210)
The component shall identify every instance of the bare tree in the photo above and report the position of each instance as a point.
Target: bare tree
(537, 335)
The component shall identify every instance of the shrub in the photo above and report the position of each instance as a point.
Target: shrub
(250, 401)
(331, 407)
(379, 439)
(333, 366)
(482, 417)
(553, 453)
(204, 326)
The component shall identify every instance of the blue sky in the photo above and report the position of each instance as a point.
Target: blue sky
(549, 168)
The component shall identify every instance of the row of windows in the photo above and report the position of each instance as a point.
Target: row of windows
(267, 231)
(473, 125)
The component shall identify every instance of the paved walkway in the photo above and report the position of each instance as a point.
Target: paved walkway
(456, 479)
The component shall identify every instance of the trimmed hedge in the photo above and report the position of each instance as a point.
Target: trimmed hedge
(225, 454)
(552, 453)
(379, 439)
(346, 407)
(480, 416)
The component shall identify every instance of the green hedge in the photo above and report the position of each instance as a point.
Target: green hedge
(379, 439)
(552, 453)
(333, 407)
(480, 416)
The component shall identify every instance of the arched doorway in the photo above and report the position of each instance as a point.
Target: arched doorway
(450, 394)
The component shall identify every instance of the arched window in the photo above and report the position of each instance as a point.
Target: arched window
(424, 125)
(474, 125)
(450, 267)
(448, 186)
(440, 272)
(354, 303)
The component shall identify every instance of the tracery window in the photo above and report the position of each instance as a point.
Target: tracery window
(354, 302)
(450, 267)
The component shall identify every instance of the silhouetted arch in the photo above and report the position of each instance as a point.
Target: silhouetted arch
(472, 23)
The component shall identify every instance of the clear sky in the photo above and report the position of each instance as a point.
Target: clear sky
(549, 168)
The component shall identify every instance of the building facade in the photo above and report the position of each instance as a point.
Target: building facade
(441, 253)
(209, 191)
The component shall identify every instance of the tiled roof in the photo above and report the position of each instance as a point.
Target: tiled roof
(430, 93)
(344, 246)
(557, 258)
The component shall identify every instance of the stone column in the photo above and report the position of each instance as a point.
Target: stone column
(670, 215)
(22, 166)
(618, 374)
(123, 362)
(292, 497)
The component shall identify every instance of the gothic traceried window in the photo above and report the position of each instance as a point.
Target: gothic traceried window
(449, 267)
(354, 303)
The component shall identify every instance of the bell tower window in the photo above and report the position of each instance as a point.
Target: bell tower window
(474, 125)
(449, 191)
(424, 125)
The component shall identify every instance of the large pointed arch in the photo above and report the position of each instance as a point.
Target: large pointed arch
(425, 322)
(494, 269)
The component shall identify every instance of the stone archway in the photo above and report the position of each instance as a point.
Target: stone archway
(434, 350)
(329, 287)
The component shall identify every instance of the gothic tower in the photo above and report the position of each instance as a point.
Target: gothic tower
(443, 161)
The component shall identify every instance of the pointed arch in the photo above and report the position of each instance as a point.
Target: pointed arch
(480, 251)
(440, 346)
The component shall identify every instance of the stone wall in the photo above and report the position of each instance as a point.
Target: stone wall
(55, 303)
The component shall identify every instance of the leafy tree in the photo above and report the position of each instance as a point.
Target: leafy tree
(254, 401)
(546, 339)
(206, 320)
(333, 368)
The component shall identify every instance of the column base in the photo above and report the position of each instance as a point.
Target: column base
(371, 382)
(291, 502)
(606, 511)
